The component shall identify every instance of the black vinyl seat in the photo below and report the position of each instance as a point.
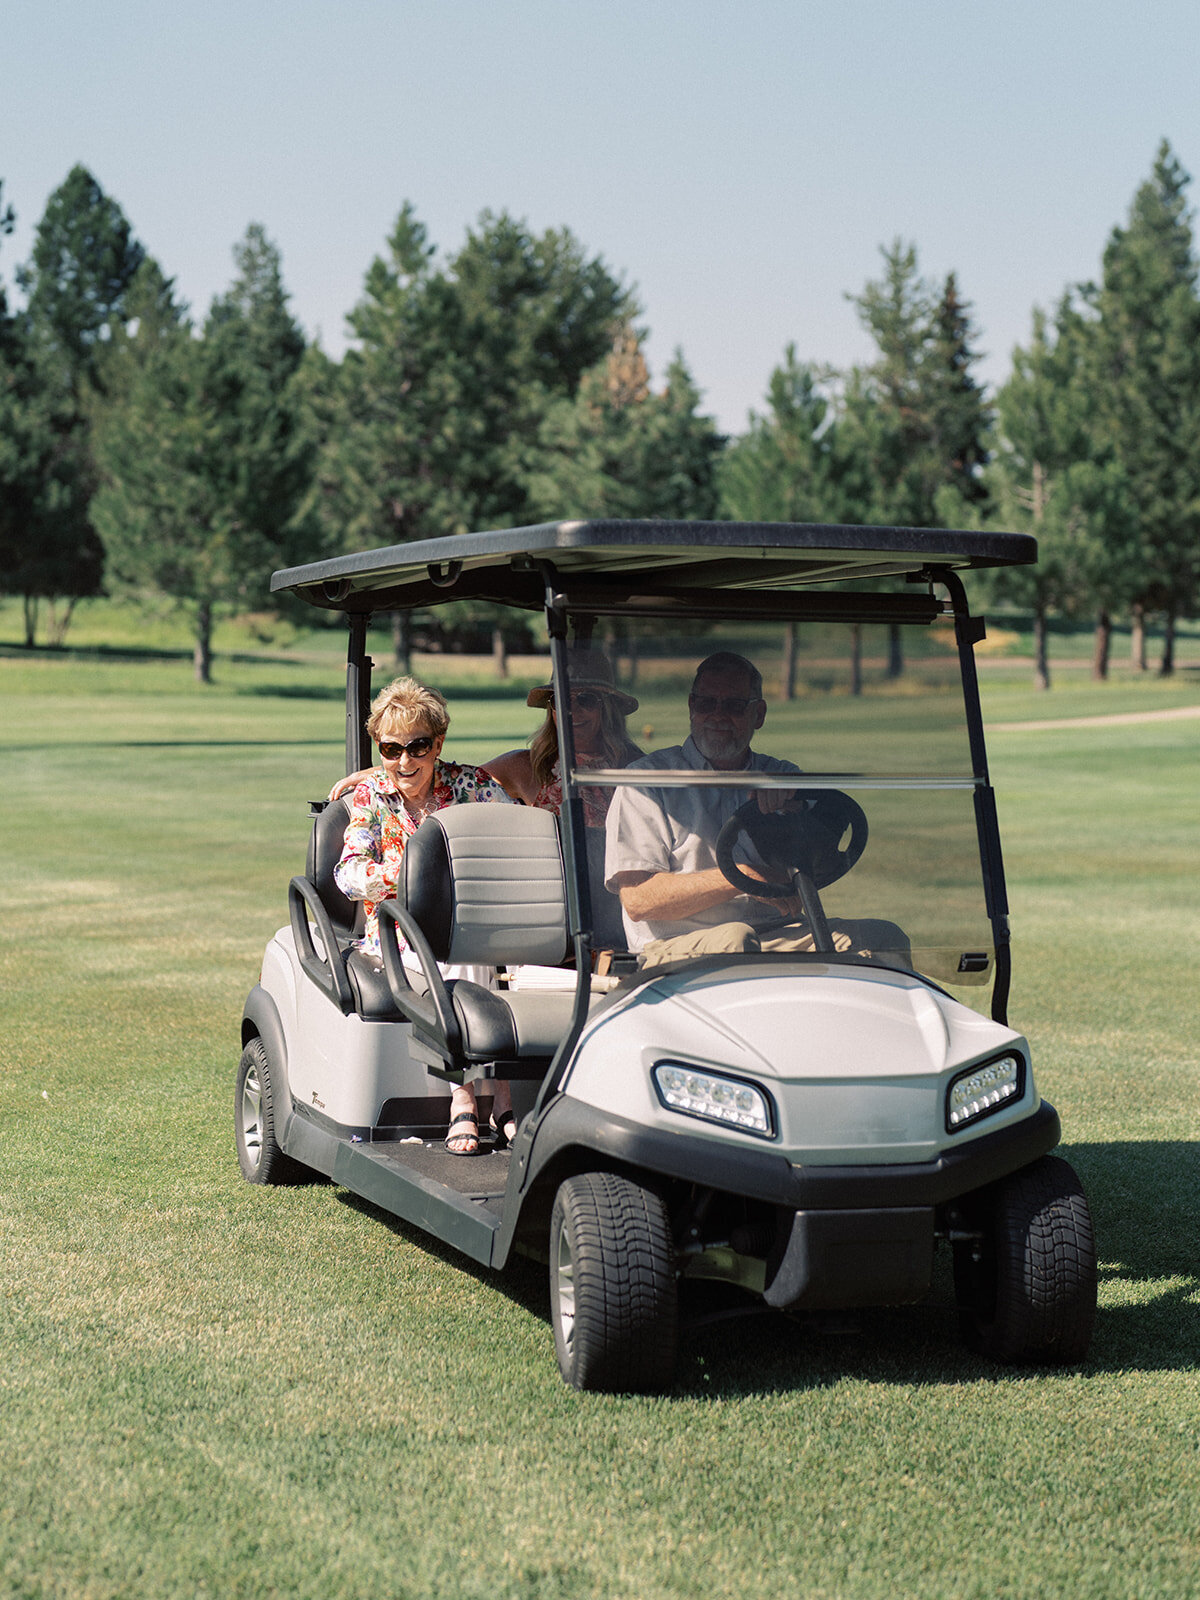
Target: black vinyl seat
(482, 885)
(352, 978)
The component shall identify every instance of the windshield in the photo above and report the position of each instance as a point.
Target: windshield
(797, 786)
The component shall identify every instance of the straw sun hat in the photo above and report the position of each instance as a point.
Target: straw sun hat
(587, 669)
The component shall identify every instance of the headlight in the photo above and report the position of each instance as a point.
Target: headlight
(730, 1101)
(979, 1091)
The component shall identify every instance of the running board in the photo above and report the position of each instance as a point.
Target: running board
(468, 1218)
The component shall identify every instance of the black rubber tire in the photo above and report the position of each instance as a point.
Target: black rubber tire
(260, 1156)
(1031, 1295)
(613, 1298)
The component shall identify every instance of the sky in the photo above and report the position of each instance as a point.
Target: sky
(740, 164)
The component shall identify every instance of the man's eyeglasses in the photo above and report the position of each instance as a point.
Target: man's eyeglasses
(733, 705)
(391, 750)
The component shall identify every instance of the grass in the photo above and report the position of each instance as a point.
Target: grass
(210, 1388)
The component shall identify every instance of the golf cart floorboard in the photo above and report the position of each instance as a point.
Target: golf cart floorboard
(478, 1177)
(459, 1199)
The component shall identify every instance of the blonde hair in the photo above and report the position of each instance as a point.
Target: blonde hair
(616, 747)
(408, 702)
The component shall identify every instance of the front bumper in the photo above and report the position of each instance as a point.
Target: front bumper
(758, 1174)
(845, 1236)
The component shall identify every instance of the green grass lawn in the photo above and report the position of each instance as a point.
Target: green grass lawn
(209, 1388)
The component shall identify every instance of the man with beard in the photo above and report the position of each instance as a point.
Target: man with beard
(661, 856)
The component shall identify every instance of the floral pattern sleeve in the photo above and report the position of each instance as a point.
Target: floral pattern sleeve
(380, 827)
(366, 871)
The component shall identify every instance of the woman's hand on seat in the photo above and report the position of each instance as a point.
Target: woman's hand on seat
(349, 784)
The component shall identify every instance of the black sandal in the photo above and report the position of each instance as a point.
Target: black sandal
(504, 1129)
(473, 1136)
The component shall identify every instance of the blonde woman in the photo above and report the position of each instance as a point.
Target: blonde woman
(598, 712)
(408, 723)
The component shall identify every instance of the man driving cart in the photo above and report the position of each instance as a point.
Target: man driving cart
(662, 859)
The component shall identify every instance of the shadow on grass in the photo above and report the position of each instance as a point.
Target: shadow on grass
(1145, 1203)
(504, 692)
(140, 652)
(176, 744)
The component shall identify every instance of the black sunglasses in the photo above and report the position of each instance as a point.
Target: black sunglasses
(584, 700)
(416, 748)
(733, 705)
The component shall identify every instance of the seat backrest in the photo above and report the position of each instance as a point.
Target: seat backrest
(324, 851)
(485, 884)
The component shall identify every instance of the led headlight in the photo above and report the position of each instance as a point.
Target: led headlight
(981, 1090)
(730, 1101)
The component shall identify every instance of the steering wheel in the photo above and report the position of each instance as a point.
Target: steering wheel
(808, 840)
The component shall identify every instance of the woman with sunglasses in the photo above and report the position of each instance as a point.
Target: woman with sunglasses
(598, 712)
(408, 722)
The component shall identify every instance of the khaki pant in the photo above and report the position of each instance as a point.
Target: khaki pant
(739, 938)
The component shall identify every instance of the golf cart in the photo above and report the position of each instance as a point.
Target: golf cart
(804, 1124)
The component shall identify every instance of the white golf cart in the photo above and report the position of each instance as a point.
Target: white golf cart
(805, 1124)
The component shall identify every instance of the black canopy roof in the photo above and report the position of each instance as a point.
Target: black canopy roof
(508, 565)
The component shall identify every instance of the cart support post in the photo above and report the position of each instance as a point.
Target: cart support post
(358, 693)
(968, 631)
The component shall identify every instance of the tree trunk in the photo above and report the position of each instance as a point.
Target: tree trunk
(1137, 636)
(1166, 666)
(895, 664)
(31, 616)
(1103, 641)
(402, 641)
(856, 658)
(1041, 655)
(788, 668)
(499, 653)
(202, 652)
(60, 621)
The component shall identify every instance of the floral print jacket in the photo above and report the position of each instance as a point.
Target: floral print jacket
(380, 827)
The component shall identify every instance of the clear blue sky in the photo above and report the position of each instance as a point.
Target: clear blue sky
(739, 161)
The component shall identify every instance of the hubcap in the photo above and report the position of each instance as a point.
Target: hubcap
(565, 1280)
(252, 1116)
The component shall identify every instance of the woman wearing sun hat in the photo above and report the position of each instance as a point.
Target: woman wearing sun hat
(598, 712)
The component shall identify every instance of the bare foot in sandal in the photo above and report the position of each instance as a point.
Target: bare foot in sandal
(462, 1136)
(503, 1124)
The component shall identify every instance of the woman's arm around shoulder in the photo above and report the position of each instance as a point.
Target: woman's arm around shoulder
(513, 771)
(348, 784)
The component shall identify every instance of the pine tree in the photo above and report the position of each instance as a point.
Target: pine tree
(783, 467)
(26, 440)
(914, 420)
(203, 456)
(1051, 476)
(84, 260)
(621, 449)
(1147, 383)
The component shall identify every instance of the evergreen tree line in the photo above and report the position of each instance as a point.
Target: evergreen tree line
(143, 451)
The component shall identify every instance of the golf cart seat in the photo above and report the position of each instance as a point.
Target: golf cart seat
(482, 884)
(352, 978)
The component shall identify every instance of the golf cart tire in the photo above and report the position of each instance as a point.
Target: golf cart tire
(613, 1295)
(1030, 1297)
(260, 1155)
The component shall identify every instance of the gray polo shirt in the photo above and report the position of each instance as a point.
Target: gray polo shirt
(675, 830)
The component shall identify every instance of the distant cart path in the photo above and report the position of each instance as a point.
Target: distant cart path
(1110, 721)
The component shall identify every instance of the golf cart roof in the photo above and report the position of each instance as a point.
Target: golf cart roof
(509, 565)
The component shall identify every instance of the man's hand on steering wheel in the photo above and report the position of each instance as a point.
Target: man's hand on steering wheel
(789, 907)
(770, 800)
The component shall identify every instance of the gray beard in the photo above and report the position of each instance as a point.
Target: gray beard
(719, 747)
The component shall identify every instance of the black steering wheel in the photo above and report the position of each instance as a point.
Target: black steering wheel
(820, 834)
